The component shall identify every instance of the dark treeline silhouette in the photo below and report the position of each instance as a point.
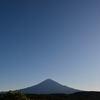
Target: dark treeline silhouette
(75, 96)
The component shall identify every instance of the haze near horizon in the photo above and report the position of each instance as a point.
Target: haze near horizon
(57, 39)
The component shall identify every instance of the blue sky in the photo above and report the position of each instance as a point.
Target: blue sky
(57, 39)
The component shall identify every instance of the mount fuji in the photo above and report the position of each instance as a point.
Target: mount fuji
(48, 86)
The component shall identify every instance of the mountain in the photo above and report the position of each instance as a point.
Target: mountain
(48, 87)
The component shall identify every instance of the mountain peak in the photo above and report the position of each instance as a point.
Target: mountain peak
(49, 82)
(48, 79)
(48, 86)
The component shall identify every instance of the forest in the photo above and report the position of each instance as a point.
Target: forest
(10, 95)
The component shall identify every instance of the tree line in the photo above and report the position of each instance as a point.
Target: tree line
(10, 95)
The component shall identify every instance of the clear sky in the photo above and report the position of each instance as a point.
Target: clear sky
(57, 39)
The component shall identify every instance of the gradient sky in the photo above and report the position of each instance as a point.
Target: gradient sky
(57, 39)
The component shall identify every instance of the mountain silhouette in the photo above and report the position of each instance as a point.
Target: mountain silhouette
(48, 87)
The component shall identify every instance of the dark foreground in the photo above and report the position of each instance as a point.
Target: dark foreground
(76, 96)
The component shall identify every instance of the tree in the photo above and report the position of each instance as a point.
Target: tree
(14, 96)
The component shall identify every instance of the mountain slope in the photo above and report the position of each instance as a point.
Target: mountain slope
(47, 87)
